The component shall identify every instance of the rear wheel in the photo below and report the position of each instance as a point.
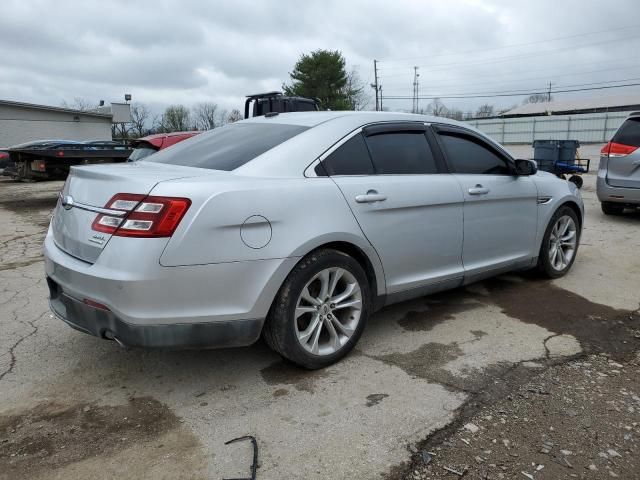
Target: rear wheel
(320, 310)
(560, 243)
(610, 208)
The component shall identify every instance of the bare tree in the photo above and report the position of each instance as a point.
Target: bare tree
(537, 98)
(79, 103)
(437, 108)
(140, 115)
(484, 111)
(234, 116)
(175, 118)
(356, 92)
(455, 114)
(206, 115)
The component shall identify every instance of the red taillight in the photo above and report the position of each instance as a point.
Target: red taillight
(39, 166)
(147, 216)
(612, 149)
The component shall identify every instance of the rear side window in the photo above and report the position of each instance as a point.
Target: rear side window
(351, 158)
(628, 133)
(469, 155)
(229, 147)
(401, 153)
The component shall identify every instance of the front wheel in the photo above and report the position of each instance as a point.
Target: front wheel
(559, 244)
(320, 310)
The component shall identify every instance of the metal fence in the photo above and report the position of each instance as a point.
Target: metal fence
(587, 128)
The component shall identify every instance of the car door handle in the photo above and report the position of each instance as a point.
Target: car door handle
(635, 162)
(370, 197)
(478, 190)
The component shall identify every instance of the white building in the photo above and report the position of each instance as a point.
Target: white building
(25, 122)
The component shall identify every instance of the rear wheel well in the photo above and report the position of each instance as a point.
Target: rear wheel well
(359, 256)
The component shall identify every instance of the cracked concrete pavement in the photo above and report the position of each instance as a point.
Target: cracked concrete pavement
(160, 414)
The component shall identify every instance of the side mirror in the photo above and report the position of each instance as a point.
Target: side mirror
(526, 167)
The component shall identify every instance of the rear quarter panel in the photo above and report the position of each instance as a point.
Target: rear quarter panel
(301, 213)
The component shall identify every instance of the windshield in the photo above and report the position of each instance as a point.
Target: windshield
(140, 153)
(229, 147)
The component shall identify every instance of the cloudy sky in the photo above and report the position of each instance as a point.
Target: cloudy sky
(166, 52)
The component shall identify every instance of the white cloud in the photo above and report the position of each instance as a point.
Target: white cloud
(192, 51)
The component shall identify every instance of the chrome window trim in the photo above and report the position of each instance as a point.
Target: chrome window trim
(309, 172)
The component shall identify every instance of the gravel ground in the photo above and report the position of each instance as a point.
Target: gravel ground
(575, 420)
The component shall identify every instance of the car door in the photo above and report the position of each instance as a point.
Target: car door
(500, 208)
(623, 155)
(407, 208)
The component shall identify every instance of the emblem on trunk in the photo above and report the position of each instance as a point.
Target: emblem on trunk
(99, 239)
(67, 202)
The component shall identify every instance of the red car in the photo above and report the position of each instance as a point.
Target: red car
(145, 146)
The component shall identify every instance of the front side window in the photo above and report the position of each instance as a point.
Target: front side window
(469, 155)
(402, 153)
(228, 147)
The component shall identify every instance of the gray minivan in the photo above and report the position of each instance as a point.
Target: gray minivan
(618, 185)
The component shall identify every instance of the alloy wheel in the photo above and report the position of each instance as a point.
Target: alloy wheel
(562, 242)
(328, 311)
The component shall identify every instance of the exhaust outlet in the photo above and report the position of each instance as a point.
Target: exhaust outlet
(110, 336)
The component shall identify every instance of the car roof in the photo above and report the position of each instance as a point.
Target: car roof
(323, 129)
(315, 118)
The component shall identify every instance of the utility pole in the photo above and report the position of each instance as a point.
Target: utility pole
(416, 82)
(380, 87)
(375, 85)
(413, 96)
(549, 94)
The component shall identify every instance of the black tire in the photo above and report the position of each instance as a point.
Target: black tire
(544, 266)
(610, 208)
(576, 180)
(280, 330)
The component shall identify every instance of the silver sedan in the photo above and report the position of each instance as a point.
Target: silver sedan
(297, 227)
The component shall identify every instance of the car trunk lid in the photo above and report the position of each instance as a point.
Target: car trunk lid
(88, 190)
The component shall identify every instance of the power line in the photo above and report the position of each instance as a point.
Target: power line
(545, 77)
(444, 66)
(513, 45)
(525, 91)
(539, 92)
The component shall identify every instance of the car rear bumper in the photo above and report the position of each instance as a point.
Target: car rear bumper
(607, 193)
(105, 324)
(141, 303)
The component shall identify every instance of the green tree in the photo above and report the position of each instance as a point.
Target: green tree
(322, 75)
(176, 118)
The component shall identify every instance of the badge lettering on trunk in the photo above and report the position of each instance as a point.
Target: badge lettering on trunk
(99, 239)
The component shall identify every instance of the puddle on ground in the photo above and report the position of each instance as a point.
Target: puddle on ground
(52, 436)
(285, 373)
(598, 328)
(440, 307)
(29, 205)
(426, 362)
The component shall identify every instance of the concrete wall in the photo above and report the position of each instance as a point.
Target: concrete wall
(587, 128)
(23, 124)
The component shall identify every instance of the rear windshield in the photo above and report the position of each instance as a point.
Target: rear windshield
(228, 147)
(140, 153)
(628, 133)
